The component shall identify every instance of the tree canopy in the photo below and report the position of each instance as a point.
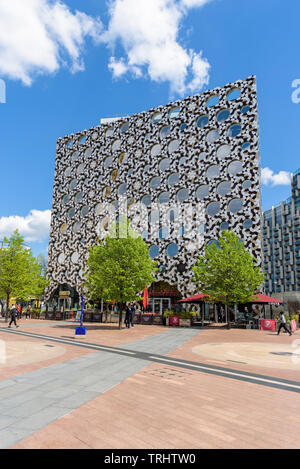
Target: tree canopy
(120, 267)
(20, 273)
(227, 272)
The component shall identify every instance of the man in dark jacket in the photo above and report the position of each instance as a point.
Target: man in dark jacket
(13, 316)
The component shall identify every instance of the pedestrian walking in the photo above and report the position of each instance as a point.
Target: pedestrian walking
(132, 314)
(283, 324)
(19, 311)
(127, 317)
(13, 316)
(28, 312)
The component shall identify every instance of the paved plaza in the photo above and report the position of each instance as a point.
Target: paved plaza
(148, 387)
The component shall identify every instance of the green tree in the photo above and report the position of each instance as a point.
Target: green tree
(120, 267)
(227, 272)
(20, 273)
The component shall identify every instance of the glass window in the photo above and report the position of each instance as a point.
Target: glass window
(153, 251)
(76, 227)
(247, 184)
(224, 226)
(88, 152)
(234, 130)
(163, 233)
(213, 171)
(245, 109)
(71, 212)
(202, 121)
(155, 182)
(173, 146)
(224, 188)
(235, 205)
(68, 171)
(109, 132)
(124, 128)
(172, 250)
(246, 145)
(235, 167)
(182, 195)
(122, 189)
(234, 94)
(213, 136)
(156, 150)
(108, 161)
(154, 216)
(66, 199)
(223, 115)
(173, 179)
(78, 197)
(116, 145)
(157, 117)
(213, 209)
(84, 211)
(164, 164)
(80, 169)
(223, 151)
(212, 101)
(163, 198)
(174, 113)
(146, 200)
(73, 184)
(248, 224)
(165, 132)
(202, 191)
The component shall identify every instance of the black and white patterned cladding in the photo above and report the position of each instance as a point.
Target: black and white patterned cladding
(183, 172)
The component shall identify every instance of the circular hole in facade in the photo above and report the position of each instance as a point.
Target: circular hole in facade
(75, 257)
(155, 182)
(61, 259)
(145, 235)
(63, 228)
(165, 132)
(223, 151)
(68, 171)
(181, 268)
(75, 156)
(108, 161)
(164, 197)
(202, 121)
(213, 209)
(247, 184)
(182, 195)
(156, 150)
(234, 130)
(157, 117)
(224, 226)
(146, 200)
(84, 211)
(183, 126)
(116, 145)
(76, 227)
(181, 230)
(109, 132)
(174, 113)
(66, 199)
(164, 164)
(163, 232)
(173, 179)
(234, 94)
(202, 156)
(78, 197)
(247, 225)
(172, 250)
(202, 191)
(122, 189)
(124, 128)
(213, 136)
(212, 101)
(246, 145)
(80, 169)
(153, 251)
(99, 209)
(71, 212)
(223, 115)
(173, 146)
(235, 205)
(235, 167)
(213, 171)
(245, 109)
(73, 184)
(182, 161)
(224, 188)
(88, 152)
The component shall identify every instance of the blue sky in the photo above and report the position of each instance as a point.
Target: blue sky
(67, 64)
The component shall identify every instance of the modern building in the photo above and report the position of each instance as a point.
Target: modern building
(181, 172)
(281, 246)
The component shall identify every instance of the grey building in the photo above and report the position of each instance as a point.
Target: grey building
(181, 172)
(281, 247)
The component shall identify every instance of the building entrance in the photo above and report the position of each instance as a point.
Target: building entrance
(159, 305)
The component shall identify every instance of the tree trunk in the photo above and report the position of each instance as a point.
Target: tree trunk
(120, 315)
(7, 305)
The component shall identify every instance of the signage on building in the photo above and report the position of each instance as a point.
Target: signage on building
(64, 294)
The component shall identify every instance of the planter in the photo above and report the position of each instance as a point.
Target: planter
(185, 322)
(147, 319)
(157, 320)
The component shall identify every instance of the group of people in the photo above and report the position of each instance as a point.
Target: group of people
(15, 313)
(129, 316)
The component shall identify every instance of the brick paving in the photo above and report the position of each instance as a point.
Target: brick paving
(148, 405)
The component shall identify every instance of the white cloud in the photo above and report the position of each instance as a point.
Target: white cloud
(148, 34)
(268, 177)
(34, 227)
(39, 36)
